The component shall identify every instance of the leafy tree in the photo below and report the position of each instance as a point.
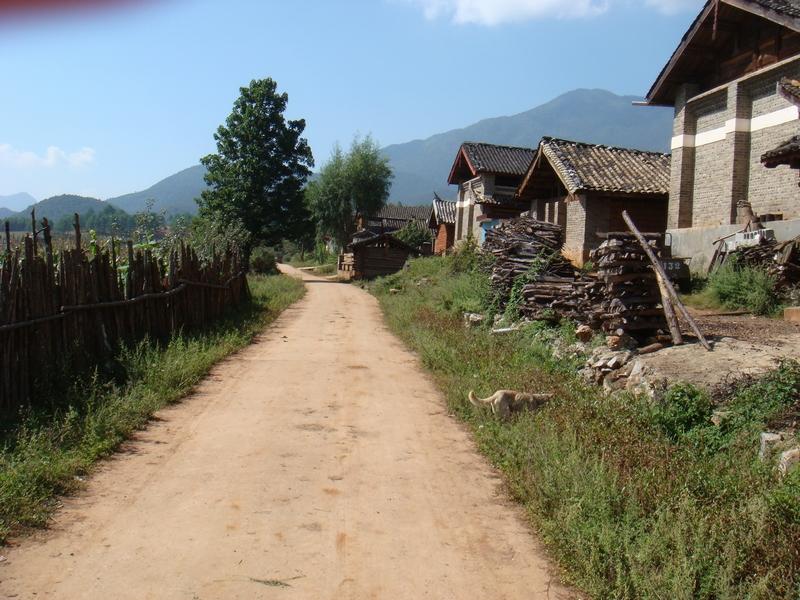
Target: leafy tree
(414, 234)
(260, 168)
(352, 183)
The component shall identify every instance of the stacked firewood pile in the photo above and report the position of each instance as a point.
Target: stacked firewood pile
(623, 295)
(780, 259)
(522, 245)
(631, 297)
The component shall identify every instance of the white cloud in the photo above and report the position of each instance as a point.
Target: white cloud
(54, 156)
(671, 7)
(495, 12)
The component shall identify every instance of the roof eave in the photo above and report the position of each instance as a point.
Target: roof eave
(657, 96)
(653, 97)
(461, 154)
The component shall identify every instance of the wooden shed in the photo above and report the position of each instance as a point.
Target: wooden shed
(379, 255)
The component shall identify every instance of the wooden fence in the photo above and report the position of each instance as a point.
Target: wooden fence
(72, 308)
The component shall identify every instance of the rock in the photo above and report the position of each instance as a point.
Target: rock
(612, 383)
(620, 342)
(789, 460)
(394, 291)
(584, 333)
(719, 416)
(473, 319)
(619, 360)
(769, 441)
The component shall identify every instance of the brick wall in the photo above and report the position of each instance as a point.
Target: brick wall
(445, 235)
(575, 231)
(709, 177)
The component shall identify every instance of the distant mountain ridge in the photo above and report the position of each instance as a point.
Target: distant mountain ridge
(175, 194)
(56, 207)
(15, 202)
(421, 167)
(595, 116)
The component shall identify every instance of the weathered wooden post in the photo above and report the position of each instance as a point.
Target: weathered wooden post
(77, 226)
(665, 280)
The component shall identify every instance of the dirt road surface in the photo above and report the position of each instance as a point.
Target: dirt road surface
(318, 463)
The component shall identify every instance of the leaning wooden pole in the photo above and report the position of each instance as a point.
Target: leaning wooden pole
(676, 301)
(669, 312)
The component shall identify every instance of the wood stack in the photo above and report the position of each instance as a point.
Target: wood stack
(523, 245)
(780, 259)
(631, 296)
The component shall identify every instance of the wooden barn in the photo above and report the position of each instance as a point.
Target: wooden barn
(373, 257)
(443, 224)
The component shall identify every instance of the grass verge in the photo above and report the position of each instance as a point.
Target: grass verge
(44, 453)
(633, 500)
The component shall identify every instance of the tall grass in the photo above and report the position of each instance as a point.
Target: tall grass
(634, 500)
(741, 287)
(44, 452)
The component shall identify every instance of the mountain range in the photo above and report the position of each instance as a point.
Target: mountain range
(594, 116)
(421, 167)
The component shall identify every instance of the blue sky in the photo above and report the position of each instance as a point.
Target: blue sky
(110, 102)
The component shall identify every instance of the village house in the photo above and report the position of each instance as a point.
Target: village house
(723, 82)
(376, 256)
(443, 224)
(391, 218)
(585, 187)
(487, 177)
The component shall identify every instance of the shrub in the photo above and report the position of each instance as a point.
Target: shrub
(414, 234)
(262, 261)
(742, 287)
(684, 407)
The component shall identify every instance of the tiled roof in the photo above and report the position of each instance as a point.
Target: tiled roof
(783, 154)
(789, 8)
(592, 168)
(444, 211)
(790, 89)
(503, 160)
(403, 213)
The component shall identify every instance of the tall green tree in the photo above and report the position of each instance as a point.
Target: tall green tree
(352, 183)
(259, 172)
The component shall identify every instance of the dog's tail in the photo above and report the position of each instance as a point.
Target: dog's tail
(474, 399)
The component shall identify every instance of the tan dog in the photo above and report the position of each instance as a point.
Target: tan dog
(505, 402)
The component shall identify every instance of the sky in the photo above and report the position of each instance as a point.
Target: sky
(110, 101)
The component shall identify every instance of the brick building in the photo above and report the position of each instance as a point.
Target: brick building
(487, 177)
(722, 82)
(585, 187)
(787, 153)
(443, 224)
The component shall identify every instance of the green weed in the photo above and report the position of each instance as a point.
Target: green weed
(634, 500)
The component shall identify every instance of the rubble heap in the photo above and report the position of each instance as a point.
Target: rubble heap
(631, 296)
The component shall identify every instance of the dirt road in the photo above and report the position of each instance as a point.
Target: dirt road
(318, 463)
